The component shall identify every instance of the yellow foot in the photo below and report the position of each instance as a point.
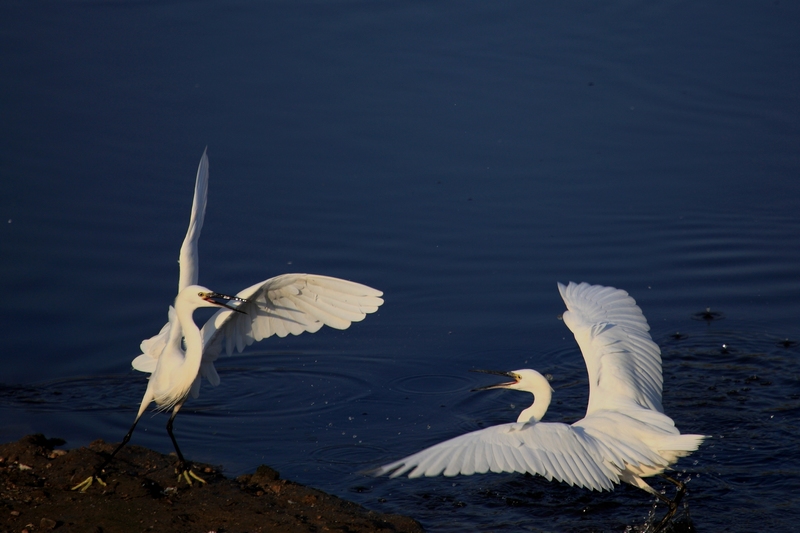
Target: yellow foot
(188, 475)
(86, 483)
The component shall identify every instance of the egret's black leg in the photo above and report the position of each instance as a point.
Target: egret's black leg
(673, 507)
(86, 483)
(681, 485)
(172, 436)
(681, 489)
(184, 469)
(673, 504)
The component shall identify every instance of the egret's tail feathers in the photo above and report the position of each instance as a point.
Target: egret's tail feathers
(680, 445)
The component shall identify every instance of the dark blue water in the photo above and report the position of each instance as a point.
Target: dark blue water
(461, 157)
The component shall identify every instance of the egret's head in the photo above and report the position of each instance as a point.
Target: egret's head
(526, 380)
(200, 296)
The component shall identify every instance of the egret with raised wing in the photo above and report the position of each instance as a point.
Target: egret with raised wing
(625, 435)
(289, 303)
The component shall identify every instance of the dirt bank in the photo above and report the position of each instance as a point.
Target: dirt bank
(142, 494)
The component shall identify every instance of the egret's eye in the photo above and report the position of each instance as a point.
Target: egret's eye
(201, 294)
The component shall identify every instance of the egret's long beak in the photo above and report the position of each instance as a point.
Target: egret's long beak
(210, 298)
(511, 375)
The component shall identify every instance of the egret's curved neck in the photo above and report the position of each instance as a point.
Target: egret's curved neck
(191, 334)
(175, 331)
(541, 401)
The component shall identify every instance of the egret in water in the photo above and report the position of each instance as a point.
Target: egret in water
(625, 435)
(181, 354)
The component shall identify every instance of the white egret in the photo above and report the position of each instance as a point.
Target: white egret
(289, 303)
(625, 435)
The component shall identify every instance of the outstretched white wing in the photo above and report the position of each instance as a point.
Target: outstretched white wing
(290, 303)
(189, 259)
(189, 262)
(623, 362)
(555, 451)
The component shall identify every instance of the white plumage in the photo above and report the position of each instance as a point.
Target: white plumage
(180, 354)
(285, 304)
(624, 436)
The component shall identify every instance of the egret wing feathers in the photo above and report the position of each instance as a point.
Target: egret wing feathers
(623, 362)
(181, 354)
(288, 304)
(189, 259)
(189, 263)
(554, 451)
(624, 437)
(154, 346)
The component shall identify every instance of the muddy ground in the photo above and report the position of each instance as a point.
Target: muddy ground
(143, 494)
